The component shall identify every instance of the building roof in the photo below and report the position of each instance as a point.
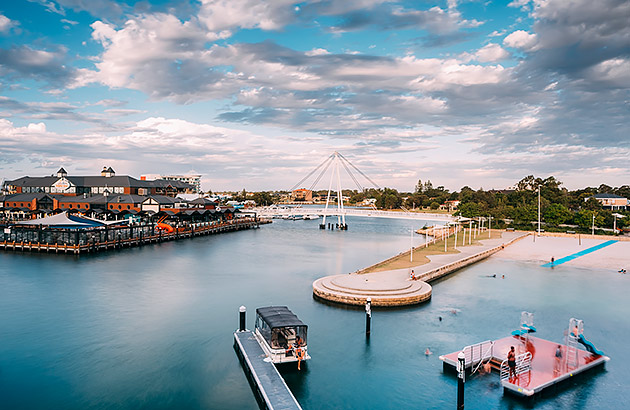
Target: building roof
(98, 181)
(607, 196)
(63, 220)
(29, 197)
(202, 201)
(278, 316)
(102, 199)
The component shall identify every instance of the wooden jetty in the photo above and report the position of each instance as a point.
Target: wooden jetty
(536, 365)
(270, 388)
(77, 241)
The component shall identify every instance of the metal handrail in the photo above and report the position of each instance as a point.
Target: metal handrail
(475, 353)
(488, 354)
(523, 365)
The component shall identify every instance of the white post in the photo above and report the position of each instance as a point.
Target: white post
(411, 246)
(464, 236)
(470, 233)
(455, 245)
(593, 227)
(538, 210)
(445, 236)
(615, 224)
(489, 226)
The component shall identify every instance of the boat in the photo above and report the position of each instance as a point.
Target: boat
(310, 217)
(281, 334)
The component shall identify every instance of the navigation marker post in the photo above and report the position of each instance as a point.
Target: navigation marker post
(368, 317)
(241, 313)
(461, 374)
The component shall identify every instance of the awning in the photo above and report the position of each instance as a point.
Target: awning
(279, 316)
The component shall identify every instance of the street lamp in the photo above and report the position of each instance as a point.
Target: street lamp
(538, 210)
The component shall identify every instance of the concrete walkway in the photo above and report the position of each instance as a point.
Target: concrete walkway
(395, 288)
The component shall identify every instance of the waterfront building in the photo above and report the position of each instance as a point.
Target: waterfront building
(194, 180)
(302, 194)
(105, 183)
(611, 201)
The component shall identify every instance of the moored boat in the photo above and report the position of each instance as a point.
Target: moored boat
(281, 334)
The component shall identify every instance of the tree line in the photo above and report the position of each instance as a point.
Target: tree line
(561, 209)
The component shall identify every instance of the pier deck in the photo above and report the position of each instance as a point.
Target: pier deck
(73, 241)
(268, 384)
(544, 370)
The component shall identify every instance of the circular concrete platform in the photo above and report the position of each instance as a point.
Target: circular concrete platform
(354, 289)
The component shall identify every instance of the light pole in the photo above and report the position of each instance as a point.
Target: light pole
(411, 246)
(538, 210)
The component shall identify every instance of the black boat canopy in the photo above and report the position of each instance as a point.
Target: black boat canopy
(279, 316)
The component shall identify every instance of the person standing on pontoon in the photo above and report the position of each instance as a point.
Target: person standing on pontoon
(511, 357)
(558, 359)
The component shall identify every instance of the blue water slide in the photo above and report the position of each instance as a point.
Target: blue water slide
(589, 346)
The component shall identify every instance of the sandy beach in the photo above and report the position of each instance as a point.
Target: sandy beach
(614, 257)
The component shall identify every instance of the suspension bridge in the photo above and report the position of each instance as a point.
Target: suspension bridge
(334, 198)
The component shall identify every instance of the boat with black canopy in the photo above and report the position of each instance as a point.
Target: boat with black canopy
(281, 334)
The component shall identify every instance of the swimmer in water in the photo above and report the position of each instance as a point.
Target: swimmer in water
(428, 352)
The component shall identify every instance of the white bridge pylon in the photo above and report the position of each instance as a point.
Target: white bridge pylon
(335, 161)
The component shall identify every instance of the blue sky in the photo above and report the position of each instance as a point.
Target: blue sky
(255, 94)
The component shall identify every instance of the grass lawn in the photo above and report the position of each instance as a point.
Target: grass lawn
(420, 253)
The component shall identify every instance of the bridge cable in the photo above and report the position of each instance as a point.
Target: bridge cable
(311, 173)
(321, 174)
(352, 176)
(360, 172)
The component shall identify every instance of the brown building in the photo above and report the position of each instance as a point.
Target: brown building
(302, 195)
(106, 183)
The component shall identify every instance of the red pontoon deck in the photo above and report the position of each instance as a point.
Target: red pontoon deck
(537, 366)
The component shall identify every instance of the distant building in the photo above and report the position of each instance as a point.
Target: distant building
(302, 195)
(450, 206)
(192, 179)
(107, 183)
(611, 201)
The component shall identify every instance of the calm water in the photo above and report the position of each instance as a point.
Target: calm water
(152, 327)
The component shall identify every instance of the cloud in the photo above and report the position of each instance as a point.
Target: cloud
(491, 53)
(50, 111)
(6, 24)
(224, 15)
(41, 65)
(522, 40)
(387, 17)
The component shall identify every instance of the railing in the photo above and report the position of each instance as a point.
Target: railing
(486, 355)
(475, 354)
(355, 212)
(523, 366)
(78, 240)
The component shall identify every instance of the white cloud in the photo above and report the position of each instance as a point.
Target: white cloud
(6, 24)
(225, 15)
(491, 53)
(522, 40)
(317, 52)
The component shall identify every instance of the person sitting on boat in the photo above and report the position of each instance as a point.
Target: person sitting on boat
(299, 352)
(298, 342)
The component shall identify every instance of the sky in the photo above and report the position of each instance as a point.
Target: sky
(255, 94)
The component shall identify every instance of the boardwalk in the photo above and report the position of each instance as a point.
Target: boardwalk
(395, 288)
(100, 239)
(271, 390)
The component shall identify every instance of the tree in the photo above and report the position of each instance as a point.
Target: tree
(584, 218)
(556, 214)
